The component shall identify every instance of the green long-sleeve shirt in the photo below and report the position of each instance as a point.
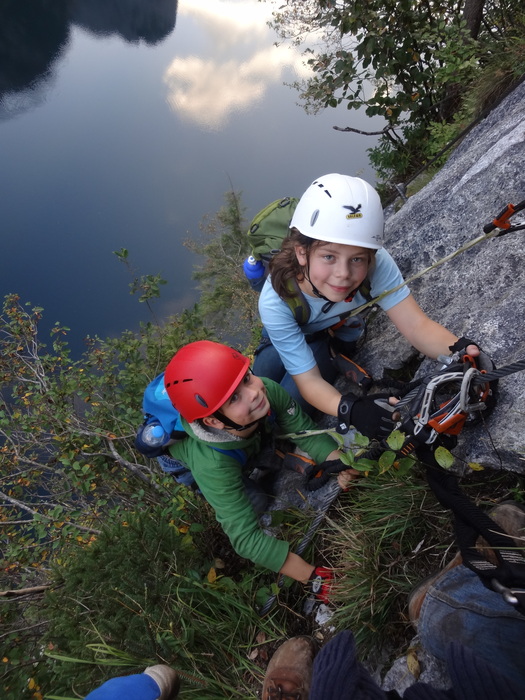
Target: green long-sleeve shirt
(219, 476)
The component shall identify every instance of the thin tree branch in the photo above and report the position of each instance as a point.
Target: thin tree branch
(359, 131)
(25, 591)
(35, 513)
(131, 467)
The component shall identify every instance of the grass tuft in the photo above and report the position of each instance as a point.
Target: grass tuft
(387, 534)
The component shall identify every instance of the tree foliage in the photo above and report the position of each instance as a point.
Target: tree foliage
(407, 61)
(69, 470)
(67, 463)
(395, 58)
(227, 303)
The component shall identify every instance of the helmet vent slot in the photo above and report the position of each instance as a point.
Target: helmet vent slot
(200, 400)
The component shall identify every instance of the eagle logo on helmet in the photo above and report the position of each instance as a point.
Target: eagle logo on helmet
(355, 212)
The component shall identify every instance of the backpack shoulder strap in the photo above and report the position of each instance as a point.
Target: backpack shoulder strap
(297, 302)
(365, 289)
(239, 455)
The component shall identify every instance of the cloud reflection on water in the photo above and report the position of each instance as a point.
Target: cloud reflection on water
(208, 91)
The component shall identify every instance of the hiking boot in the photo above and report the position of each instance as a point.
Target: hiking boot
(510, 516)
(167, 680)
(418, 593)
(290, 670)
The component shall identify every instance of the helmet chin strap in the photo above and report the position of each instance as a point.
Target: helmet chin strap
(352, 294)
(317, 293)
(231, 424)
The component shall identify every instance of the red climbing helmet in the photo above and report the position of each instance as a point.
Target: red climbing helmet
(201, 376)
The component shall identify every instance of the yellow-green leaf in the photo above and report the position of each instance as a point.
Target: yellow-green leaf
(386, 460)
(413, 663)
(404, 465)
(444, 458)
(347, 458)
(360, 440)
(476, 466)
(395, 440)
(364, 465)
(337, 437)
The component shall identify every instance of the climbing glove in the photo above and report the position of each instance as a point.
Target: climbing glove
(483, 361)
(485, 364)
(370, 415)
(321, 583)
(317, 476)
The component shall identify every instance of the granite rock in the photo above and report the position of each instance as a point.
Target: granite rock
(479, 293)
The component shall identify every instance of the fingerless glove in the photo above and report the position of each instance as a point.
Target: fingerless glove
(321, 582)
(370, 415)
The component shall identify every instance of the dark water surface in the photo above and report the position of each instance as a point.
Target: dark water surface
(122, 123)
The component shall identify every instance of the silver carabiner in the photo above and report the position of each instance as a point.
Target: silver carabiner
(464, 394)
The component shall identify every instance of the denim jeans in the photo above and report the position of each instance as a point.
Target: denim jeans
(460, 608)
(268, 364)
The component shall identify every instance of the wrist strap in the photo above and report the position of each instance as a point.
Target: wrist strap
(462, 344)
(344, 411)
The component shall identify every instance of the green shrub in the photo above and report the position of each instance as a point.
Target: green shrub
(143, 593)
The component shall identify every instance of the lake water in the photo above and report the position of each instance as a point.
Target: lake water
(124, 122)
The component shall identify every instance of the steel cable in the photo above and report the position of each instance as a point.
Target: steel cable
(499, 373)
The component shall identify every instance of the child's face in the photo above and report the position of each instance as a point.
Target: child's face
(335, 269)
(248, 402)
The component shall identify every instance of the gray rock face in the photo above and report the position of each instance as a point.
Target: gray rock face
(432, 671)
(480, 293)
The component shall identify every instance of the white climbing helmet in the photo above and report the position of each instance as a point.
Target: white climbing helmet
(341, 209)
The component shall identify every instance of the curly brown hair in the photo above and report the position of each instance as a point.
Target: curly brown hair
(284, 264)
